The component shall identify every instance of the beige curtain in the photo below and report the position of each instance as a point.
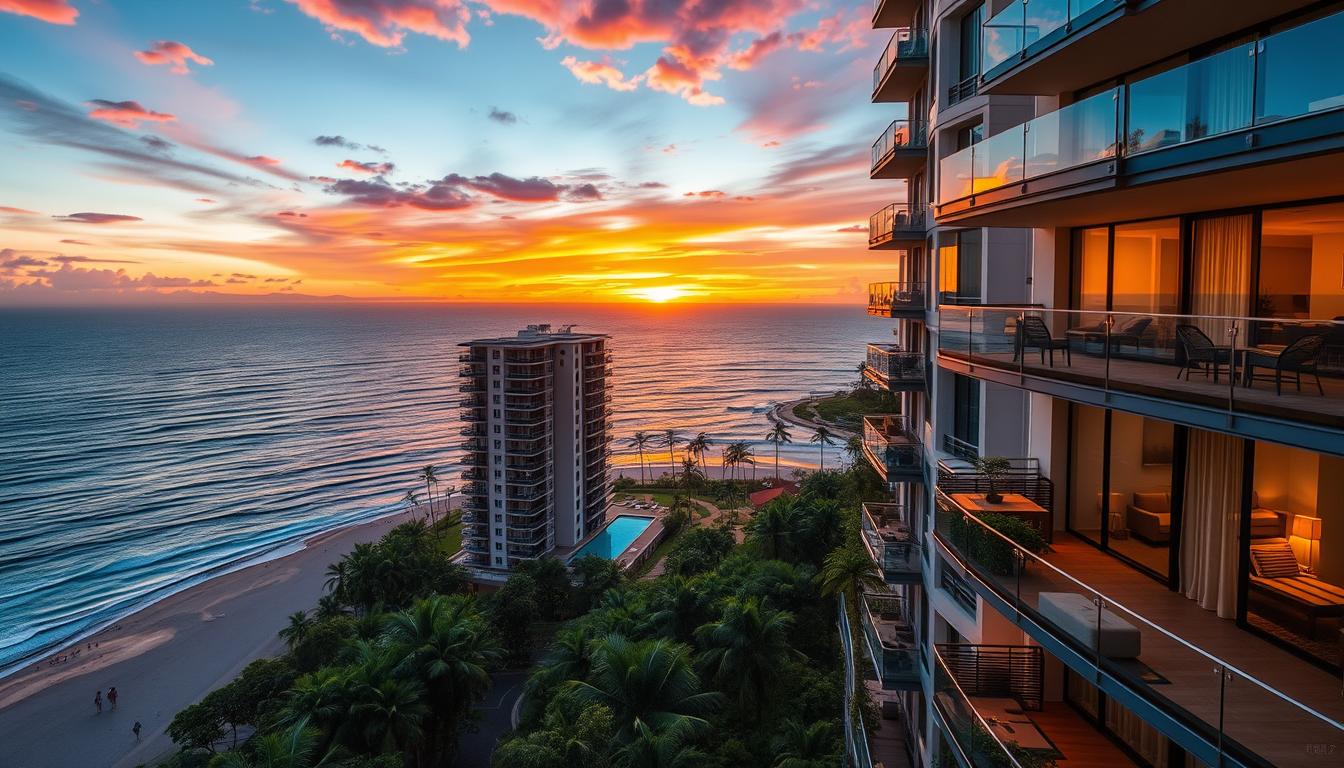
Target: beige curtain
(1221, 274)
(1210, 524)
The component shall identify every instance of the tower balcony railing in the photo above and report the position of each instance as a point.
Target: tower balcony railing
(904, 63)
(906, 298)
(893, 448)
(1007, 35)
(1221, 714)
(1272, 88)
(900, 150)
(973, 739)
(890, 539)
(892, 367)
(1265, 373)
(893, 645)
(896, 225)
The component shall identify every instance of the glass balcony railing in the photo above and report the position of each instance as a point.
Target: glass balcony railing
(892, 366)
(1238, 716)
(1081, 133)
(897, 298)
(906, 45)
(856, 733)
(901, 134)
(898, 221)
(971, 737)
(1278, 77)
(893, 447)
(891, 541)
(891, 640)
(1270, 367)
(1021, 24)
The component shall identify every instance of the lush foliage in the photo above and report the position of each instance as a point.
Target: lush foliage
(982, 546)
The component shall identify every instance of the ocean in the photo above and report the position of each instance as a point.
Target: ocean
(143, 450)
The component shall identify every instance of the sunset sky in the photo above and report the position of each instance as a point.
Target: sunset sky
(501, 150)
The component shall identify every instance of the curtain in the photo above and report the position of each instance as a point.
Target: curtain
(1210, 525)
(1141, 737)
(1221, 274)
(1219, 92)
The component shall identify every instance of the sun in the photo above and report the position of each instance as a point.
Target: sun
(660, 294)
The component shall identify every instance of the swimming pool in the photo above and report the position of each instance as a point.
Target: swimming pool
(612, 540)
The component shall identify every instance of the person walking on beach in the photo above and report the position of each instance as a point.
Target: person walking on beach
(136, 730)
(112, 696)
(98, 700)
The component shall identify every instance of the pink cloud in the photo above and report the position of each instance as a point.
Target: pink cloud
(599, 73)
(385, 22)
(369, 167)
(759, 49)
(127, 114)
(69, 278)
(17, 211)
(174, 54)
(97, 218)
(51, 11)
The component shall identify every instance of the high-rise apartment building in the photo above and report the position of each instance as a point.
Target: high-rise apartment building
(536, 410)
(1114, 533)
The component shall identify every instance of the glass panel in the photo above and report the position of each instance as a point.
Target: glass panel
(1140, 492)
(1086, 447)
(998, 159)
(1042, 18)
(1003, 35)
(1301, 274)
(1301, 70)
(1075, 135)
(1079, 7)
(969, 64)
(954, 175)
(1203, 98)
(969, 258)
(1093, 269)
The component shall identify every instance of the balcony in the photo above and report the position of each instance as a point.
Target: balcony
(1059, 46)
(892, 368)
(1257, 123)
(1148, 364)
(1186, 675)
(904, 299)
(903, 67)
(897, 227)
(893, 645)
(893, 13)
(892, 542)
(901, 150)
(893, 448)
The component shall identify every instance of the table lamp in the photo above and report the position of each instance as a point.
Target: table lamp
(1309, 528)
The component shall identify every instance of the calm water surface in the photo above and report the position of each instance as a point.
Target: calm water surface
(141, 450)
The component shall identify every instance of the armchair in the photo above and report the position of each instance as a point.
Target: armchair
(1150, 516)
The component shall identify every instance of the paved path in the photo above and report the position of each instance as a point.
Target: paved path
(715, 515)
(477, 744)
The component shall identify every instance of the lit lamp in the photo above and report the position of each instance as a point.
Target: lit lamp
(1308, 528)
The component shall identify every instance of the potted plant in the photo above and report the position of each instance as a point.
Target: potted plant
(993, 468)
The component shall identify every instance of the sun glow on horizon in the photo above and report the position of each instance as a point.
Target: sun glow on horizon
(660, 294)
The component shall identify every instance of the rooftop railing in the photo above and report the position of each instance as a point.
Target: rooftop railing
(1271, 367)
(906, 44)
(1239, 716)
(901, 134)
(1278, 77)
(1007, 34)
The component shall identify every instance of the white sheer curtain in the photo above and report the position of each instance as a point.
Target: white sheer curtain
(1221, 273)
(1210, 522)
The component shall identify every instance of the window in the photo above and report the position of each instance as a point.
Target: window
(969, 61)
(494, 354)
(494, 369)
(966, 410)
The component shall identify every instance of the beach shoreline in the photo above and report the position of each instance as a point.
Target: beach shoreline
(166, 655)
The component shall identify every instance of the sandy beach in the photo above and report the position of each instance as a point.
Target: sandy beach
(161, 659)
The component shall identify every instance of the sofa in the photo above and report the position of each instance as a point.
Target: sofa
(1267, 523)
(1149, 516)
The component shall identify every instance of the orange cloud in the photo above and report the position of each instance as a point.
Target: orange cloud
(385, 22)
(127, 114)
(599, 73)
(369, 167)
(174, 54)
(51, 11)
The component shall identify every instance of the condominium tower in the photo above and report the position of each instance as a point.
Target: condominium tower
(535, 408)
(1117, 238)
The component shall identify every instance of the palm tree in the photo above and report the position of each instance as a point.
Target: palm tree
(297, 629)
(680, 606)
(697, 446)
(747, 456)
(646, 684)
(336, 575)
(854, 449)
(319, 697)
(800, 745)
(427, 474)
(294, 747)
(773, 528)
(745, 649)
(732, 457)
(823, 437)
(779, 435)
(848, 570)
(658, 749)
(671, 439)
(640, 441)
(391, 713)
(691, 475)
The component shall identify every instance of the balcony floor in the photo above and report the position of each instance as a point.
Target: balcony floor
(1157, 378)
(1077, 740)
(1262, 724)
(889, 745)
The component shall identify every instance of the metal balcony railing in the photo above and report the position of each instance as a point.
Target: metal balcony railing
(893, 447)
(897, 221)
(901, 134)
(897, 298)
(889, 537)
(905, 46)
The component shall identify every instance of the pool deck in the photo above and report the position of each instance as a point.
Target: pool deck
(634, 553)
